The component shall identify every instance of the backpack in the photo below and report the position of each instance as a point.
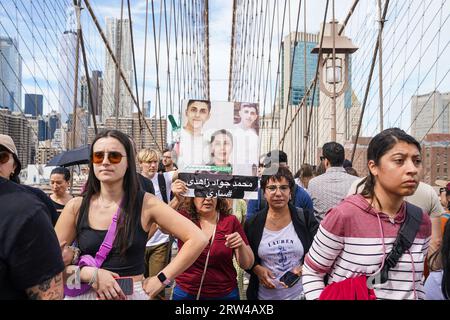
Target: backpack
(163, 188)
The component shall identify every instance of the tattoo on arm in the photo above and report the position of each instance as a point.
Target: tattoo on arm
(51, 289)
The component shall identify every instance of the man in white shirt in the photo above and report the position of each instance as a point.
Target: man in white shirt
(193, 146)
(246, 136)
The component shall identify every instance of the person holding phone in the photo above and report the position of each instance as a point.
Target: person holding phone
(113, 198)
(279, 235)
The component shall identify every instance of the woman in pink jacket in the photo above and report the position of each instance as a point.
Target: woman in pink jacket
(356, 236)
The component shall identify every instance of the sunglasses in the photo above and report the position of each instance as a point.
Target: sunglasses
(4, 157)
(114, 157)
(322, 158)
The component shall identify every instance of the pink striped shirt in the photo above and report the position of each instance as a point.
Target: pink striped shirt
(349, 242)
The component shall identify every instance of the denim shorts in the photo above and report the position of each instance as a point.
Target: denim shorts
(179, 294)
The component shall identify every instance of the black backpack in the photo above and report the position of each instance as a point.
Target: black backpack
(403, 242)
(163, 189)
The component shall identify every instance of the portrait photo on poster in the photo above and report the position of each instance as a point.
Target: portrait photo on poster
(219, 138)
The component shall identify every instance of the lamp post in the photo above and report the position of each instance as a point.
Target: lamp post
(333, 67)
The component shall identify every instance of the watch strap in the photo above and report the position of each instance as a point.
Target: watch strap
(162, 277)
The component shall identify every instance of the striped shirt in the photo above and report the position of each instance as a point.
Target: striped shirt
(349, 243)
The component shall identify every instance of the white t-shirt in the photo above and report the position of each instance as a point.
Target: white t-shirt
(193, 150)
(160, 237)
(280, 251)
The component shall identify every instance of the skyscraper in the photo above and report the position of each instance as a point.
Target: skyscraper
(97, 92)
(148, 111)
(304, 65)
(53, 124)
(430, 113)
(117, 31)
(298, 71)
(33, 104)
(17, 126)
(66, 67)
(10, 74)
(43, 130)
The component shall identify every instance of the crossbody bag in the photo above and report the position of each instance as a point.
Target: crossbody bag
(100, 257)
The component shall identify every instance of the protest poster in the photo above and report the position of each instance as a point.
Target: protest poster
(219, 141)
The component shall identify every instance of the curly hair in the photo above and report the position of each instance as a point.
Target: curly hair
(222, 207)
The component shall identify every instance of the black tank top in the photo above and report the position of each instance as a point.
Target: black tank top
(130, 264)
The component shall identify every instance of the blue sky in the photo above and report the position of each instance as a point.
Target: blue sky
(411, 66)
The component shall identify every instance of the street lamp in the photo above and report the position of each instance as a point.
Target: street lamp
(333, 66)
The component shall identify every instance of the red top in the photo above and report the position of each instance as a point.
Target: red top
(220, 278)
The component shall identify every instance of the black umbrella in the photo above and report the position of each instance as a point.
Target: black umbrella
(71, 157)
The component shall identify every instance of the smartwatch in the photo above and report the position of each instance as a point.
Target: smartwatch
(164, 280)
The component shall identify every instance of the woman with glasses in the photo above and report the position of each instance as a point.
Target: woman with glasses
(112, 199)
(279, 236)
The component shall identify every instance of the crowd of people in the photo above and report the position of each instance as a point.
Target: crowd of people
(323, 233)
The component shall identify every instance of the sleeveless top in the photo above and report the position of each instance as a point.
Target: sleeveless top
(132, 263)
(58, 206)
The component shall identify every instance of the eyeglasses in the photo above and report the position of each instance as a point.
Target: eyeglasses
(4, 157)
(283, 188)
(113, 156)
(322, 158)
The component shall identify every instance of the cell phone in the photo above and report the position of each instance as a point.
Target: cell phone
(126, 284)
(289, 279)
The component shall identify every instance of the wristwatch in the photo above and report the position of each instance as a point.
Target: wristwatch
(164, 280)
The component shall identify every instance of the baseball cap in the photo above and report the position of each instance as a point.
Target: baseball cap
(8, 143)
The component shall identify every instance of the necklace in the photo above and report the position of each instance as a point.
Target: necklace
(100, 200)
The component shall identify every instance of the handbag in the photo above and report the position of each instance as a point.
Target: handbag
(207, 259)
(100, 257)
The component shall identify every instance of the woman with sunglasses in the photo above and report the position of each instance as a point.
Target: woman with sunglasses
(112, 197)
(9, 162)
(279, 235)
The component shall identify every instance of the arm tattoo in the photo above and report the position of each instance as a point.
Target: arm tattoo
(51, 289)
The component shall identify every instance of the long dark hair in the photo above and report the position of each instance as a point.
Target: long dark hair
(378, 147)
(222, 207)
(127, 219)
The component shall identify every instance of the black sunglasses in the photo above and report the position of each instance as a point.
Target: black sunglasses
(4, 157)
